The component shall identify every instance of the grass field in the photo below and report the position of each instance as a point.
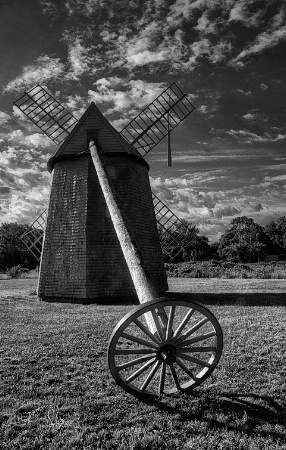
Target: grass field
(57, 393)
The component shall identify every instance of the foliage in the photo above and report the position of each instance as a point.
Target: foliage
(16, 271)
(219, 269)
(276, 231)
(193, 246)
(244, 241)
(12, 250)
(57, 392)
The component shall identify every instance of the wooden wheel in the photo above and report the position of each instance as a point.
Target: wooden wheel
(180, 352)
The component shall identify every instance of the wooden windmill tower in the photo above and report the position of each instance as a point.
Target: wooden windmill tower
(82, 259)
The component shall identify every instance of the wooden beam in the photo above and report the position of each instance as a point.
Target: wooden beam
(139, 273)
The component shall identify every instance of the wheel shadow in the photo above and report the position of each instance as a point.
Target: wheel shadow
(241, 412)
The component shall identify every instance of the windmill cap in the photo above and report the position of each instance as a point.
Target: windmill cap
(109, 139)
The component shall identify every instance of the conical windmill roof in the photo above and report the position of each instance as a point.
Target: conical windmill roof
(109, 139)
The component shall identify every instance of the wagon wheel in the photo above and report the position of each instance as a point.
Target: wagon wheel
(180, 352)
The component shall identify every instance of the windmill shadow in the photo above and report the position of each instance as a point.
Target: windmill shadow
(242, 299)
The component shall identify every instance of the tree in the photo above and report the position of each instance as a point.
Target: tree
(276, 231)
(12, 249)
(191, 247)
(244, 241)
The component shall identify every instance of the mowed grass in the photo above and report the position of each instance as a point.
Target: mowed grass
(57, 392)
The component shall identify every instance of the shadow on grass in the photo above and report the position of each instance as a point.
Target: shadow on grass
(243, 299)
(247, 413)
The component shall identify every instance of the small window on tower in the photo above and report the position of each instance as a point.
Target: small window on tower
(92, 134)
(111, 170)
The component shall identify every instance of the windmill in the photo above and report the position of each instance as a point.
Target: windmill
(144, 132)
(100, 174)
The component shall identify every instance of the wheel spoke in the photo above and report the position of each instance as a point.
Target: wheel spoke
(150, 376)
(162, 379)
(194, 360)
(184, 322)
(197, 339)
(198, 349)
(134, 362)
(146, 331)
(158, 325)
(139, 340)
(140, 371)
(175, 377)
(192, 330)
(170, 321)
(185, 369)
(134, 351)
(161, 313)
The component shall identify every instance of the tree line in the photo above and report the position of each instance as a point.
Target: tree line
(244, 241)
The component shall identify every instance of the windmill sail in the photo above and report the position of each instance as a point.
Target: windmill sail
(47, 113)
(144, 132)
(33, 237)
(171, 228)
(166, 112)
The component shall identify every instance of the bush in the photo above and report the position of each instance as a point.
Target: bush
(16, 271)
(12, 249)
(221, 269)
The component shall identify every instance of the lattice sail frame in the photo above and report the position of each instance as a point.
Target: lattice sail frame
(160, 117)
(144, 132)
(173, 243)
(47, 113)
(33, 237)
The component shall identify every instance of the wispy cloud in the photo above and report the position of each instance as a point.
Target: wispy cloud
(4, 118)
(275, 33)
(123, 95)
(248, 137)
(242, 11)
(43, 70)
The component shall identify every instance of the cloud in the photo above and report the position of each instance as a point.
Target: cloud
(76, 104)
(24, 208)
(7, 178)
(249, 116)
(205, 26)
(44, 69)
(81, 59)
(182, 10)
(241, 12)
(38, 140)
(254, 116)
(225, 211)
(263, 41)
(32, 141)
(241, 91)
(247, 137)
(124, 95)
(182, 199)
(85, 7)
(4, 118)
(7, 155)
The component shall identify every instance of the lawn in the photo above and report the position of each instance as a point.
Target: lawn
(57, 392)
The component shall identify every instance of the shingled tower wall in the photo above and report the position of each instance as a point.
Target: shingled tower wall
(82, 260)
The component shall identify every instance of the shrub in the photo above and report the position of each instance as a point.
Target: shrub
(16, 271)
(221, 269)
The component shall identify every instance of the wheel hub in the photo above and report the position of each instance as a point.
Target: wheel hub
(167, 353)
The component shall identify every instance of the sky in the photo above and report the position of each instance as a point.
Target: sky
(229, 56)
